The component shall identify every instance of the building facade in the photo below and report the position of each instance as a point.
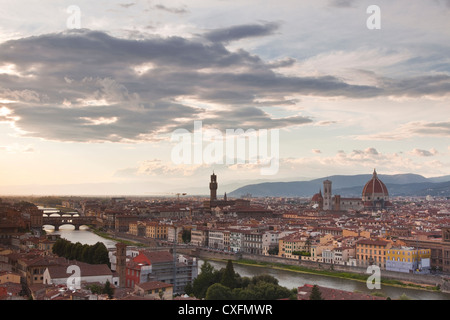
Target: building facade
(372, 252)
(161, 266)
(408, 260)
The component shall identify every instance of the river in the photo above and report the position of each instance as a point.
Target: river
(288, 279)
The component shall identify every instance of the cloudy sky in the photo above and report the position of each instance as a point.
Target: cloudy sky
(92, 92)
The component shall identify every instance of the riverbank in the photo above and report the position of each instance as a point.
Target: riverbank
(334, 274)
(294, 268)
(108, 236)
(346, 275)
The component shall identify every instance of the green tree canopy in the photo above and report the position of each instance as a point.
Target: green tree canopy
(226, 284)
(229, 276)
(218, 291)
(207, 277)
(96, 254)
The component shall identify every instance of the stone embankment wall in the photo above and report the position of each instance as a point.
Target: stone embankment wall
(406, 277)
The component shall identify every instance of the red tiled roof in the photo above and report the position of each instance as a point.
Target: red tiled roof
(374, 186)
(152, 285)
(86, 270)
(158, 256)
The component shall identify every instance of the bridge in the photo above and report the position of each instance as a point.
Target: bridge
(63, 219)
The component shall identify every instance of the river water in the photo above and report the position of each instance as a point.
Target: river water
(288, 279)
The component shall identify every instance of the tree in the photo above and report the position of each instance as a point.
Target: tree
(215, 285)
(188, 289)
(262, 291)
(204, 280)
(315, 293)
(218, 291)
(107, 289)
(264, 278)
(96, 254)
(186, 236)
(229, 276)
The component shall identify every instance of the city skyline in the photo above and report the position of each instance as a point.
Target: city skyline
(92, 93)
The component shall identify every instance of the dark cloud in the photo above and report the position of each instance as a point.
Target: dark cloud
(226, 35)
(419, 86)
(84, 85)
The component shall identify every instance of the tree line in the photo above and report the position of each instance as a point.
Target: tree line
(226, 284)
(92, 254)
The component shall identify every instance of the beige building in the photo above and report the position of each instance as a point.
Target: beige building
(290, 245)
(156, 230)
(7, 276)
(155, 290)
(199, 237)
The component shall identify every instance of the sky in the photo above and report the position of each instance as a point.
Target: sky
(148, 97)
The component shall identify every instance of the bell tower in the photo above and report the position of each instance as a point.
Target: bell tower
(121, 262)
(327, 204)
(213, 188)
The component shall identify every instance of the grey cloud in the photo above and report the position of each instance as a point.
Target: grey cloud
(252, 118)
(61, 74)
(418, 86)
(171, 10)
(282, 63)
(226, 35)
(424, 153)
(434, 128)
(341, 3)
(127, 5)
(72, 124)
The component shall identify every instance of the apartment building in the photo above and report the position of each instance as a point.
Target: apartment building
(372, 252)
(408, 259)
(199, 237)
(161, 266)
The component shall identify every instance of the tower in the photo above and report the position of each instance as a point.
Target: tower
(121, 262)
(327, 203)
(213, 188)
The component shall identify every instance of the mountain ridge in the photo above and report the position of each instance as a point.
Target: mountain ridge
(408, 184)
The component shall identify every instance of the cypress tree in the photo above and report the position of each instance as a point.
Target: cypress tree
(315, 293)
(229, 276)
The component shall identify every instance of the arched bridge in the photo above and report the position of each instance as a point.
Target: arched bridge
(60, 220)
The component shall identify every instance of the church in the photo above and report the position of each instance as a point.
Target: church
(375, 196)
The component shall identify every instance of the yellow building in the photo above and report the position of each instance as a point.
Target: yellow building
(291, 244)
(7, 276)
(408, 259)
(156, 230)
(372, 252)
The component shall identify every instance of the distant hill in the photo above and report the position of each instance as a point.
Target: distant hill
(350, 186)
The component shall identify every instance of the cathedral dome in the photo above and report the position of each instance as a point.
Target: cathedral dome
(317, 197)
(375, 192)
